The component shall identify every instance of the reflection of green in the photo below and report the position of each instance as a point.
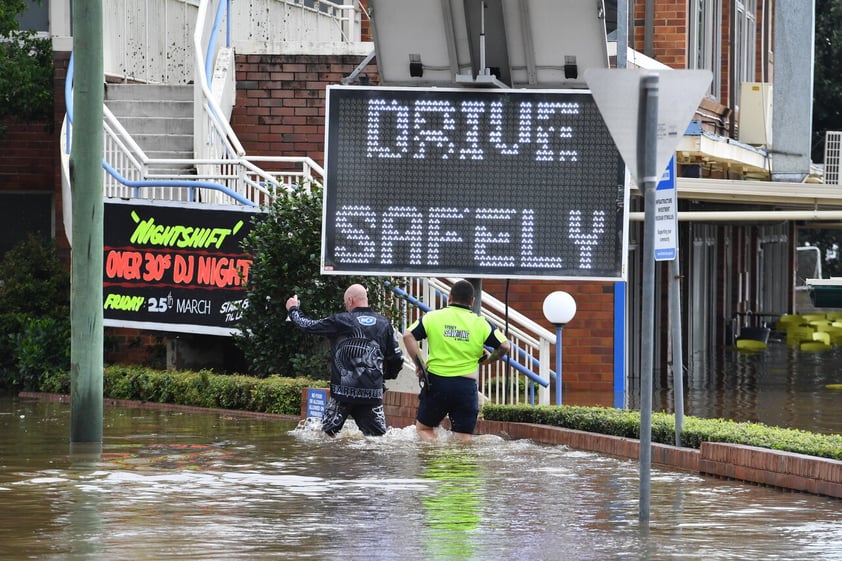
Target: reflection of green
(452, 507)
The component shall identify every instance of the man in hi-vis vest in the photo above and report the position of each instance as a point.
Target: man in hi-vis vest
(456, 339)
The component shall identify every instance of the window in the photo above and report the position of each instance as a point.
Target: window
(705, 37)
(745, 35)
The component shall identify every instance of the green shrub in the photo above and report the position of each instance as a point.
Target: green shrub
(206, 389)
(626, 423)
(41, 350)
(34, 313)
(26, 70)
(283, 396)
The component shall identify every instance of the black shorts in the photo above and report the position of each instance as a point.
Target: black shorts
(452, 396)
(370, 418)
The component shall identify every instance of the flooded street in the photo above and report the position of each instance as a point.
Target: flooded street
(781, 386)
(203, 486)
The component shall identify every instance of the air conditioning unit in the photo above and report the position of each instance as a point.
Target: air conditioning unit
(832, 157)
(756, 113)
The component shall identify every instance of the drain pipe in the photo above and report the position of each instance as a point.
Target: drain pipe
(649, 28)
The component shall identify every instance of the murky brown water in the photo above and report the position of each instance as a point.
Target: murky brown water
(187, 486)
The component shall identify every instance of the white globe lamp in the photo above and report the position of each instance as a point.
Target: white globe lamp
(559, 309)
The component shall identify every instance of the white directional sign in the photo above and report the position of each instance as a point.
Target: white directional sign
(617, 94)
(666, 216)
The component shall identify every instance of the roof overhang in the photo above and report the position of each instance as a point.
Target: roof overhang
(811, 196)
(723, 155)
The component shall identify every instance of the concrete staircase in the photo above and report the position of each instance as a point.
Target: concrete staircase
(159, 118)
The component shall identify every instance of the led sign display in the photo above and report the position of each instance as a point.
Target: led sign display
(472, 183)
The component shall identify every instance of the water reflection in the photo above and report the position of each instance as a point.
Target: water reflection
(452, 507)
(204, 486)
(781, 386)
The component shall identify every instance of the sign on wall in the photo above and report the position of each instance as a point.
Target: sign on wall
(175, 267)
(472, 183)
(666, 216)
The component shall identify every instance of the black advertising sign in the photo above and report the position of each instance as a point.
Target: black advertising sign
(472, 183)
(175, 267)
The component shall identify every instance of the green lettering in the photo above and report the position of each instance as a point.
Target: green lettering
(147, 232)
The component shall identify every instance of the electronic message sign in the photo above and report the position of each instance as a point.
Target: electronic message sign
(473, 183)
(175, 267)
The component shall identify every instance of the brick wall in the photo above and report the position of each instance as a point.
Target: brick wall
(785, 470)
(587, 341)
(29, 157)
(280, 107)
(670, 37)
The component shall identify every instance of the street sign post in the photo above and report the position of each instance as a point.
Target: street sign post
(630, 102)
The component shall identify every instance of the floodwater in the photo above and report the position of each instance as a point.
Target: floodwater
(781, 386)
(170, 485)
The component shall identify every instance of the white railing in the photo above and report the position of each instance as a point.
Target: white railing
(275, 26)
(151, 41)
(224, 175)
(833, 157)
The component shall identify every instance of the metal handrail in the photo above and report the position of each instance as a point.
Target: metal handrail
(204, 52)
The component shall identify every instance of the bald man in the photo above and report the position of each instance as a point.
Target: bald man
(365, 352)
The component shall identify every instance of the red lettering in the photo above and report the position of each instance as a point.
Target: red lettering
(222, 271)
(156, 266)
(182, 271)
(123, 265)
(244, 265)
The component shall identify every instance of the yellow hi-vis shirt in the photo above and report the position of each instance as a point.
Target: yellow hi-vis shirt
(456, 337)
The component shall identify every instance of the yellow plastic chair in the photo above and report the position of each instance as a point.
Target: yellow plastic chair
(788, 320)
(835, 333)
(814, 317)
(799, 334)
(820, 342)
(750, 345)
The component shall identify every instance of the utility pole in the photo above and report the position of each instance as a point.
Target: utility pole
(86, 338)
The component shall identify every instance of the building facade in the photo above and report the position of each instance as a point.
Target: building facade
(743, 183)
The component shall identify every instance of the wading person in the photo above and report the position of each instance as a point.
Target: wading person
(456, 338)
(365, 352)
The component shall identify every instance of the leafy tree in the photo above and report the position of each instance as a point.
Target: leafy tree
(829, 242)
(827, 115)
(9, 12)
(34, 313)
(26, 69)
(286, 249)
(827, 85)
(26, 77)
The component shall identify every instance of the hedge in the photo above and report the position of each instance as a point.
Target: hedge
(695, 430)
(206, 389)
(283, 396)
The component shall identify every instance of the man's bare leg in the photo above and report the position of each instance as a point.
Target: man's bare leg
(424, 432)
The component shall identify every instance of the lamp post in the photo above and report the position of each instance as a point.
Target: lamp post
(559, 309)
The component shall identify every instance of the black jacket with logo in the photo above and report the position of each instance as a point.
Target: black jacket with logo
(364, 349)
